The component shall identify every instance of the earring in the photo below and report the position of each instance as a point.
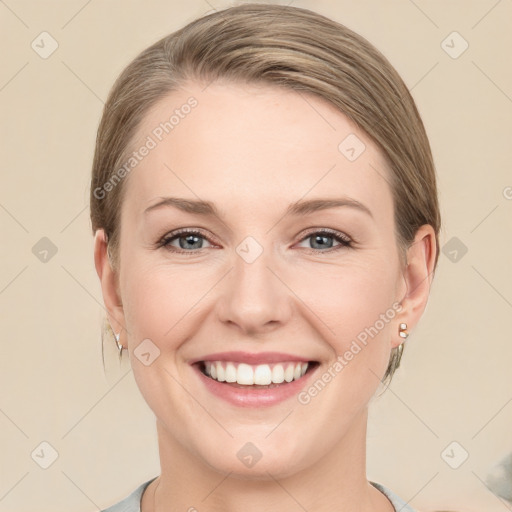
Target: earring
(119, 345)
(402, 331)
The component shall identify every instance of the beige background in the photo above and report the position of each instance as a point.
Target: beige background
(455, 383)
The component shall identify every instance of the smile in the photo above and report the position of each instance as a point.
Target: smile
(254, 379)
(250, 375)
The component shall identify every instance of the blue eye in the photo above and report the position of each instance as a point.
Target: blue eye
(191, 241)
(321, 240)
(187, 239)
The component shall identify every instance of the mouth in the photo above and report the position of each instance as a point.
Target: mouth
(256, 376)
(254, 379)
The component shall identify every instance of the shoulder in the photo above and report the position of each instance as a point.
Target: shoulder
(132, 502)
(396, 501)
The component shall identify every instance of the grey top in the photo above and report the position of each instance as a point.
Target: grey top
(132, 502)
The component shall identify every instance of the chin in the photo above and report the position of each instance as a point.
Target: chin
(261, 471)
(252, 461)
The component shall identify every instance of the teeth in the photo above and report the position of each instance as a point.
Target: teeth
(288, 373)
(278, 374)
(261, 374)
(244, 374)
(230, 372)
(221, 373)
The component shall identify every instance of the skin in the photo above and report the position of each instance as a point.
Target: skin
(253, 150)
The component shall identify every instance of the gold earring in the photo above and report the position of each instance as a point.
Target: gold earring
(402, 331)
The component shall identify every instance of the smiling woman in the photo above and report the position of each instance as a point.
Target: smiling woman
(265, 260)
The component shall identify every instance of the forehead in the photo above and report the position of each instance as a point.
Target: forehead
(253, 146)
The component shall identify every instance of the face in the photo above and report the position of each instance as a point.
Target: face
(290, 267)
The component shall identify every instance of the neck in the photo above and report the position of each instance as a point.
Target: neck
(336, 481)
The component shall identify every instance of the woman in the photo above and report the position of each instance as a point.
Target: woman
(266, 223)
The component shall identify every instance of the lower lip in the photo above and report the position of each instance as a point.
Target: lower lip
(249, 396)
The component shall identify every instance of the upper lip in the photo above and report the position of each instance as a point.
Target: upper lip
(251, 358)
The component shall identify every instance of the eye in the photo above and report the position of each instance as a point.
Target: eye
(189, 240)
(322, 240)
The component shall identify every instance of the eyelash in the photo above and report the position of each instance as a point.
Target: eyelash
(344, 240)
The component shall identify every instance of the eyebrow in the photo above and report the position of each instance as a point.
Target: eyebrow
(301, 207)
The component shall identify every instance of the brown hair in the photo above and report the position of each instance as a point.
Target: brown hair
(282, 46)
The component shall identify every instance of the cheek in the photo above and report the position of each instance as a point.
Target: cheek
(349, 299)
(356, 310)
(161, 305)
(158, 297)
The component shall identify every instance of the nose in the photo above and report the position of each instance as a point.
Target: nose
(252, 297)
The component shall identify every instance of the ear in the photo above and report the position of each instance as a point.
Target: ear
(418, 277)
(109, 285)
